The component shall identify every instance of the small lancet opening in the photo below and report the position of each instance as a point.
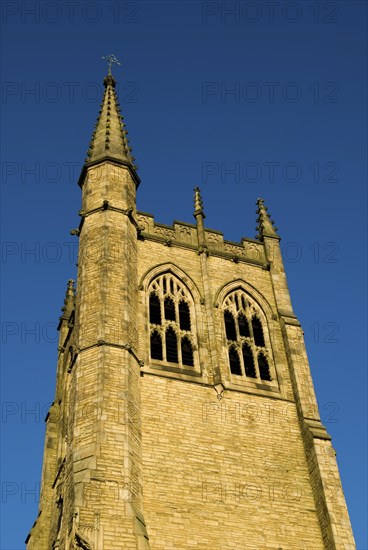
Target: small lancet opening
(156, 346)
(234, 360)
(249, 367)
(258, 332)
(187, 352)
(169, 307)
(264, 369)
(243, 325)
(184, 315)
(171, 346)
(230, 326)
(154, 309)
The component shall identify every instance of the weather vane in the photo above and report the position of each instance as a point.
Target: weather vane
(111, 59)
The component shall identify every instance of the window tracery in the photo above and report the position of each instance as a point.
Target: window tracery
(172, 338)
(248, 354)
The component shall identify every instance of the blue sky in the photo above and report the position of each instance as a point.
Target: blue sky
(231, 96)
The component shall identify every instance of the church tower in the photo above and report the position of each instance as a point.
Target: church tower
(184, 414)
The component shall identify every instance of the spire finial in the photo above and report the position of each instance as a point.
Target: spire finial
(265, 227)
(111, 58)
(71, 285)
(198, 203)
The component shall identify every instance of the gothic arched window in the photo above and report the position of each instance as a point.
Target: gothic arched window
(172, 339)
(245, 330)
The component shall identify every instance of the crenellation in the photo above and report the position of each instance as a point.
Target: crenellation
(182, 233)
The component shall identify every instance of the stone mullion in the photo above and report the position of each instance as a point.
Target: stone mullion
(180, 358)
(255, 359)
(239, 343)
(176, 325)
(251, 342)
(162, 310)
(271, 368)
(251, 314)
(242, 365)
(192, 334)
(164, 343)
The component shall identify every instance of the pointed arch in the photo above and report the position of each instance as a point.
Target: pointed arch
(152, 273)
(251, 293)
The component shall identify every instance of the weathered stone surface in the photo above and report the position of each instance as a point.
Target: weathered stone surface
(143, 453)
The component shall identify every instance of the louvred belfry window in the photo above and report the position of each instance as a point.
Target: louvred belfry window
(187, 351)
(171, 323)
(234, 360)
(155, 309)
(171, 345)
(245, 328)
(156, 345)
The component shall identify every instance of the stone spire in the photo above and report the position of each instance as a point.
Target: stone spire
(265, 227)
(109, 139)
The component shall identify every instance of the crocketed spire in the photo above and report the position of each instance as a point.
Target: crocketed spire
(109, 139)
(265, 227)
(69, 300)
(198, 203)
